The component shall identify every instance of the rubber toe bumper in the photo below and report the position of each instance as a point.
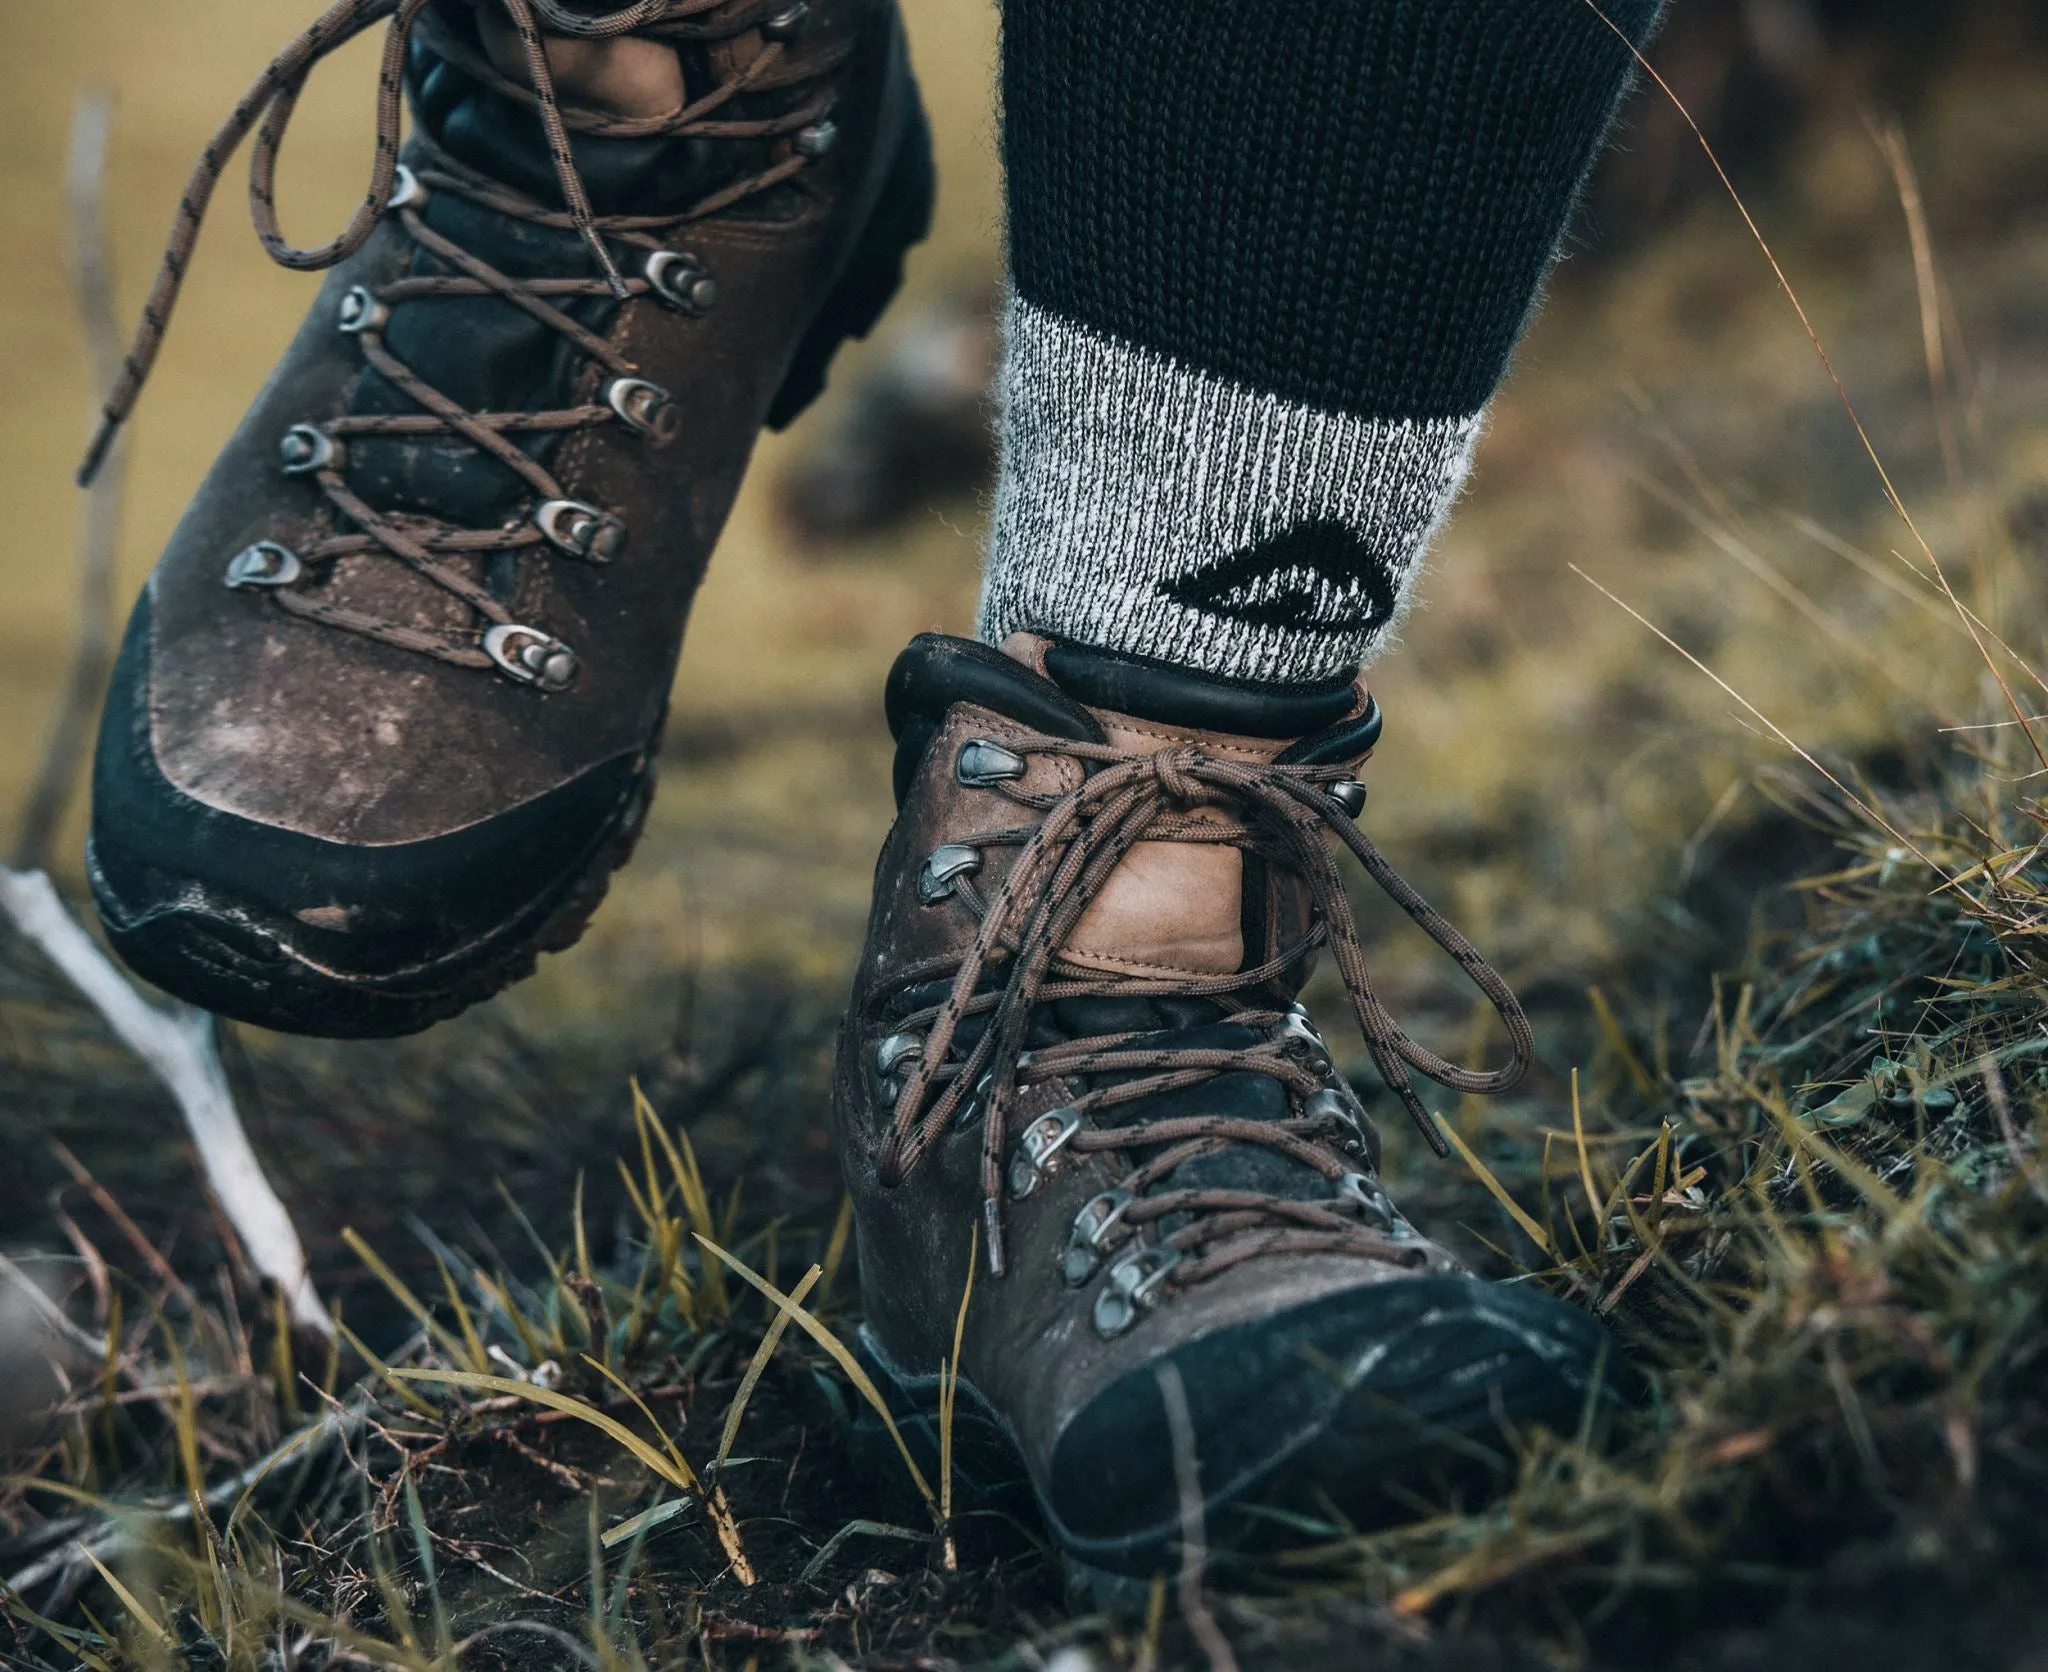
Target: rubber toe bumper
(293, 932)
(1404, 1382)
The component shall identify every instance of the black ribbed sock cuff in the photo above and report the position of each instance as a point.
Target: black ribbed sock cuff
(1346, 203)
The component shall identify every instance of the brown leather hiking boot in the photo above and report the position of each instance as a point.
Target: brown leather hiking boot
(1073, 1041)
(385, 717)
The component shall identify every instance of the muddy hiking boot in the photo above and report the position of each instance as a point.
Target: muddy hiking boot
(1074, 1045)
(385, 717)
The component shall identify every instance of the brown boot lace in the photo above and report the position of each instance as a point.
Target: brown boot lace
(432, 548)
(1279, 812)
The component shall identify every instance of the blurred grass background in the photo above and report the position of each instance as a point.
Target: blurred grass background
(1584, 803)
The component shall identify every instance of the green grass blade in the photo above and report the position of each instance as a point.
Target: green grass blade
(841, 1355)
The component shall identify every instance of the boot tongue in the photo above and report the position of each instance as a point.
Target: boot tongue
(503, 139)
(1179, 909)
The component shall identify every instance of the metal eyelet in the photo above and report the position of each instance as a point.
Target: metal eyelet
(406, 190)
(531, 656)
(1349, 794)
(1296, 1029)
(892, 1060)
(306, 448)
(1093, 1225)
(361, 312)
(982, 763)
(581, 530)
(788, 23)
(817, 139)
(1038, 1149)
(265, 564)
(643, 406)
(1334, 1108)
(1363, 1191)
(682, 281)
(1132, 1287)
(943, 867)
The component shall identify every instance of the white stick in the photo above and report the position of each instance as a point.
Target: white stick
(179, 1045)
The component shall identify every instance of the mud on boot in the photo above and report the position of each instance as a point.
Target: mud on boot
(386, 714)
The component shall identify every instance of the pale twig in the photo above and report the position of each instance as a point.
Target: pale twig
(179, 1045)
(1194, 1553)
(93, 281)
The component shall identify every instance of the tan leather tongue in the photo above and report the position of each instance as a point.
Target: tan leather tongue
(1171, 909)
(628, 76)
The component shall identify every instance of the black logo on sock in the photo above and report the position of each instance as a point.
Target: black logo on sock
(1317, 577)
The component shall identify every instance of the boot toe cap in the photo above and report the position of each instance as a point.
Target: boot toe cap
(287, 930)
(1402, 1383)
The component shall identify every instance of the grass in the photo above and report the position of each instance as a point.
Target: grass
(1824, 1253)
(1786, 1134)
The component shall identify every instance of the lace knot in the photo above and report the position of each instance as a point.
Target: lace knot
(1173, 770)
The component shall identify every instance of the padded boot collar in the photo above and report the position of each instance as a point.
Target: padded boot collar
(1051, 686)
(1177, 696)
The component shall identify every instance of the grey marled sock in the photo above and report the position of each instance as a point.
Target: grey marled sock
(1148, 507)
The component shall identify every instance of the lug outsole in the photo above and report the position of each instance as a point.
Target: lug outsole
(1409, 1449)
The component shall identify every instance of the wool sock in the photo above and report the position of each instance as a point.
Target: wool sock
(1269, 259)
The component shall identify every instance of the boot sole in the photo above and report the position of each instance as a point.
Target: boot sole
(1439, 1432)
(251, 971)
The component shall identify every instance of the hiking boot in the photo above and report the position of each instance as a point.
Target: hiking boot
(386, 715)
(1074, 1045)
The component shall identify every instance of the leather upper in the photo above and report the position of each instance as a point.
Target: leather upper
(331, 736)
(1173, 912)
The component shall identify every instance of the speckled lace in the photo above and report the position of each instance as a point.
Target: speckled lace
(1068, 854)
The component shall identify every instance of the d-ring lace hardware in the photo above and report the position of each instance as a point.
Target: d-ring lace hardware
(1132, 1287)
(1038, 1150)
(643, 406)
(361, 312)
(580, 530)
(943, 868)
(982, 764)
(264, 564)
(306, 449)
(1280, 812)
(406, 190)
(531, 656)
(682, 281)
(1094, 1226)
